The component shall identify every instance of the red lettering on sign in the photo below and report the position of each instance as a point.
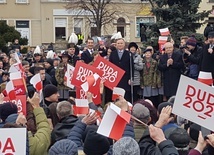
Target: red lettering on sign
(8, 146)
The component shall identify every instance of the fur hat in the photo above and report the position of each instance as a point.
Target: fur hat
(126, 146)
(50, 90)
(191, 41)
(95, 144)
(37, 51)
(7, 109)
(64, 147)
(132, 44)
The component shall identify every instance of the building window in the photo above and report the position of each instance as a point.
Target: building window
(21, 1)
(121, 23)
(23, 27)
(60, 28)
(78, 22)
(211, 1)
(2, 1)
(143, 25)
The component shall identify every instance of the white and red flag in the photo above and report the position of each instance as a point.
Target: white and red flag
(18, 82)
(205, 77)
(164, 31)
(117, 92)
(81, 107)
(92, 83)
(36, 82)
(69, 75)
(114, 122)
(10, 90)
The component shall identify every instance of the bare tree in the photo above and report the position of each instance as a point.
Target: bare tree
(102, 11)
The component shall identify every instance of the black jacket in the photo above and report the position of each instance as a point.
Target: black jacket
(148, 146)
(51, 71)
(62, 129)
(87, 57)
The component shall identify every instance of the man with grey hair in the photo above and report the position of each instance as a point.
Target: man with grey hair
(67, 121)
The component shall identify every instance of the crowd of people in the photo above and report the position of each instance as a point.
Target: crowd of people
(150, 82)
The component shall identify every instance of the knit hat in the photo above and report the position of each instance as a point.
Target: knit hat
(50, 61)
(95, 144)
(191, 41)
(132, 44)
(162, 105)
(50, 90)
(64, 147)
(7, 109)
(211, 34)
(178, 136)
(194, 130)
(141, 112)
(126, 146)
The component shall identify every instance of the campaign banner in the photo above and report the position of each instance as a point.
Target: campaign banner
(195, 101)
(82, 71)
(20, 101)
(112, 74)
(12, 141)
(69, 76)
(96, 97)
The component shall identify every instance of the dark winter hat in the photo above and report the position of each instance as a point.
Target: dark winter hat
(64, 147)
(141, 112)
(50, 90)
(126, 146)
(132, 44)
(194, 130)
(211, 34)
(162, 105)
(178, 136)
(50, 61)
(65, 54)
(147, 50)
(7, 109)
(191, 41)
(95, 144)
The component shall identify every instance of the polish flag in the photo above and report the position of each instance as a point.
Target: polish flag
(10, 90)
(81, 107)
(36, 82)
(18, 82)
(16, 57)
(162, 39)
(164, 31)
(130, 106)
(205, 77)
(98, 114)
(117, 92)
(114, 122)
(90, 82)
(69, 75)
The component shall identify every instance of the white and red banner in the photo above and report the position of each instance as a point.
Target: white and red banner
(69, 76)
(81, 107)
(18, 82)
(195, 101)
(82, 71)
(36, 82)
(13, 141)
(112, 74)
(205, 77)
(92, 83)
(10, 90)
(117, 92)
(96, 97)
(20, 102)
(164, 31)
(114, 122)
(161, 41)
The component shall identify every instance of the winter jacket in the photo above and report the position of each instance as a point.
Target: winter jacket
(51, 71)
(62, 129)
(40, 141)
(148, 146)
(194, 152)
(138, 66)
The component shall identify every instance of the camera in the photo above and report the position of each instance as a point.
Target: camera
(183, 47)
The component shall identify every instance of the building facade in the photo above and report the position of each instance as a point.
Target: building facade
(45, 21)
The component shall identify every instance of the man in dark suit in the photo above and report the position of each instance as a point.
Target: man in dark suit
(171, 65)
(86, 56)
(121, 58)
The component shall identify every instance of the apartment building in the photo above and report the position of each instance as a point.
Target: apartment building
(45, 21)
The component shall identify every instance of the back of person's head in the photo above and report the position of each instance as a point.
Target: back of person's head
(94, 143)
(141, 112)
(38, 69)
(25, 63)
(64, 147)
(53, 114)
(64, 109)
(7, 109)
(126, 146)
(179, 137)
(162, 105)
(171, 99)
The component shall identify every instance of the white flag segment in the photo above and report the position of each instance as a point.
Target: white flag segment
(113, 122)
(10, 90)
(16, 57)
(69, 76)
(117, 92)
(162, 39)
(90, 81)
(36, 82)
(205, 77)
(164, 31)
